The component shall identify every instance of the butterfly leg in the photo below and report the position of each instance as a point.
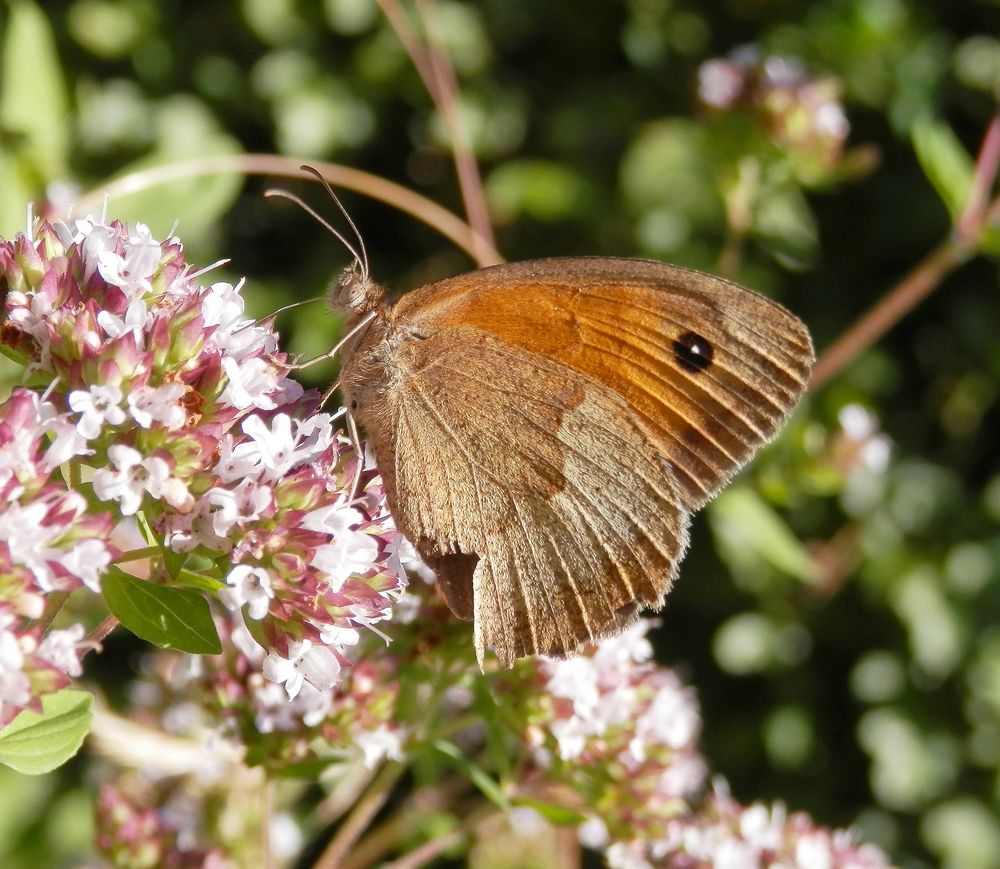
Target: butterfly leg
(359, 455)
(329, 392)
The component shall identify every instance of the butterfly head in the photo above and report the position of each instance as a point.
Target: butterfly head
(354, 292)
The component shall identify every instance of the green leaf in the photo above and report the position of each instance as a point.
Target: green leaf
(547, 191)
(34, 130)
(667, 164)
(34, 744)
(945, 162)
(308, 770)
(174, 618)
(561, 815)
(474, 773)
(748, 526)
(186, 130)
(193, 579)
(172, 561)
(783, 219)
(496, 742)
(33, 104)
(17, 193)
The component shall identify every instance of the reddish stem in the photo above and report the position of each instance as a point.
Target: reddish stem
(971, 220)
(97, 636)
(435, 70)
(978, 213)
(889, 310)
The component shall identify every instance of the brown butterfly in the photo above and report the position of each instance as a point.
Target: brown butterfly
(545, 429)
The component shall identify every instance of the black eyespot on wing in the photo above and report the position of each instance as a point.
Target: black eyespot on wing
(692, 352)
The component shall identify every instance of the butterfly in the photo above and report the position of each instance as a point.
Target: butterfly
(545, 429)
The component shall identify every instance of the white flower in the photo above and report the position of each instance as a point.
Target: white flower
(250, 585)
(188, 530)
(16, 454)
(159, 403)
(334, 635)
(275, 445)
(251, 383)
(672, 718)
(760, 829)
(15, 687)
(244, 642)
(719, 83)
(87, 561)
(351, 552)
(285, 838)
(379, 744)
(237, 462)
(315, 432)
(734, 854)
(630, 647)
(95, 239)
(571, 734)
(623, 855)
(812, 851)
(276, 711)
(306, 662)
(576, 680)
(132, 271)
(235, 336)
(273, 708)
(274, 451)
(222, 306)
(135, 321)
(593, 833)
(860, 425)
(27, 539)
(133, 476)
(99, 405)
(60, 649)
(830, 120)
(334, 519)
(66, 440)
(245, 503)
(402, 558)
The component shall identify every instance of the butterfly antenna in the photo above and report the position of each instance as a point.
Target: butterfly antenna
(312, 170)
(291, 197)
(289, 306)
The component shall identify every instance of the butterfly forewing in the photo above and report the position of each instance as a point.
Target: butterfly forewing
(710, 369)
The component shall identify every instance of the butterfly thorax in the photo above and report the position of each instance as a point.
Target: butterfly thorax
(367, 366)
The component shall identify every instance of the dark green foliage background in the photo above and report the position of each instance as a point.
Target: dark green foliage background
(565, 96)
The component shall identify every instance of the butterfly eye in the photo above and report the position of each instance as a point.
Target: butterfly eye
(693, 352)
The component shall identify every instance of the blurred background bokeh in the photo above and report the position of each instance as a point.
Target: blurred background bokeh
(837, 611)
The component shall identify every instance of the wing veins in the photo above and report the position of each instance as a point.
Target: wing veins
(578, 598)
(613, 331)
(472, 464)
(595, 503)
(539, 572)
(765, 337)
(648, 420)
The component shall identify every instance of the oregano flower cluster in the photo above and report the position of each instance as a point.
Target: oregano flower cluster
(154, 410)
